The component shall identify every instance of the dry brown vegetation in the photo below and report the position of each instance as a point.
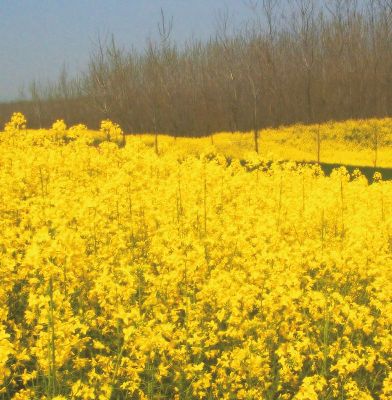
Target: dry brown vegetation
(301, 60)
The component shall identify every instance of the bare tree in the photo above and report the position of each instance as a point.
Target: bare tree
(298, 60)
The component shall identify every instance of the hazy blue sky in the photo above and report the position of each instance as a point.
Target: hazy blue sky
(38, 36)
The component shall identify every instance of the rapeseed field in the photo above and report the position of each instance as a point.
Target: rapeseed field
(128, 274)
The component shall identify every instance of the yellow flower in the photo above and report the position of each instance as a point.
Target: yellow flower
(16, 123)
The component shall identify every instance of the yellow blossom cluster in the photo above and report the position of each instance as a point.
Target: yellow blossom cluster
(16, 123)
(59, 125)
(111, 130)
(128, 274)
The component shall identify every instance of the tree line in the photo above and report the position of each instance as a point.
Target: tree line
(293, 61)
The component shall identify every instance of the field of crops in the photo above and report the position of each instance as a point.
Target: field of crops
(361, 143)
(131, 275)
